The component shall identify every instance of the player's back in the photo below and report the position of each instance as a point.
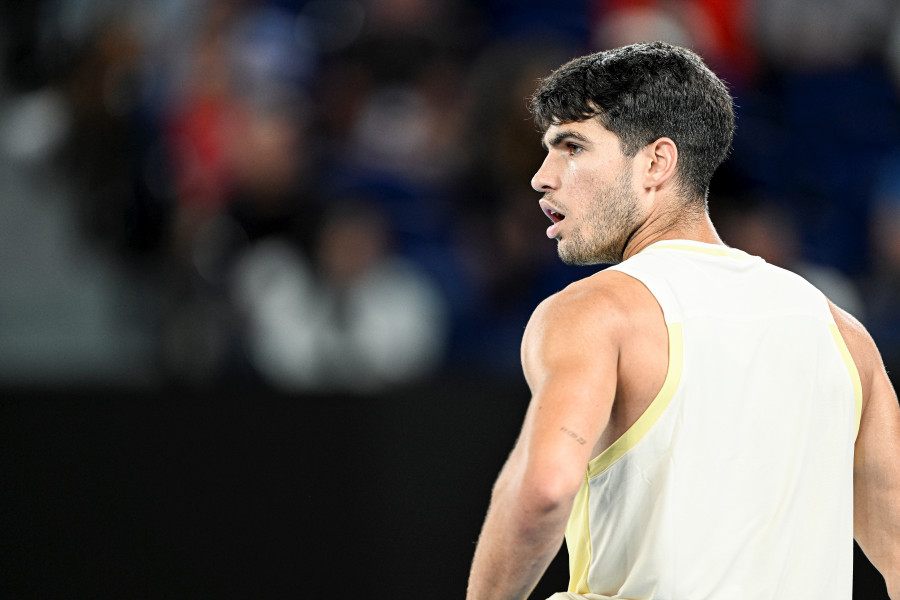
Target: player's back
(737, 480)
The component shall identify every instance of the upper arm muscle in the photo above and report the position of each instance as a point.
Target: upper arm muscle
(569, 356)
(876, 471)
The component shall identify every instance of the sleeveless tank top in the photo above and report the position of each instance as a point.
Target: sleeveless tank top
(737, 481)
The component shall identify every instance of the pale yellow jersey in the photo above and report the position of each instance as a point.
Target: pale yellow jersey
(737, 482)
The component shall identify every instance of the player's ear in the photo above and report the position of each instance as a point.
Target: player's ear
(658, 162)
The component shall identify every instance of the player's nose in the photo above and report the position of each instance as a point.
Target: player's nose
(546, 179)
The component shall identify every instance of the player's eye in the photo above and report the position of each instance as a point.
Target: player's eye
(574, 149)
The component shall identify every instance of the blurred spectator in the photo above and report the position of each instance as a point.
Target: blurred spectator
(355, 317)
(205, 142)
(390, 114)
(392, 96)
(237, 125)
(236, 133)
(105, 152)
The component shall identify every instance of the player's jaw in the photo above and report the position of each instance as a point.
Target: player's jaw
(598, 233)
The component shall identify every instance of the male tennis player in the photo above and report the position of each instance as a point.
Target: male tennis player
(703, 425)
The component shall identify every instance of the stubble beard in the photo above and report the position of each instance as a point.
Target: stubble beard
(610, 222)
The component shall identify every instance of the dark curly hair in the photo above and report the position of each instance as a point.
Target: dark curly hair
(643, 92)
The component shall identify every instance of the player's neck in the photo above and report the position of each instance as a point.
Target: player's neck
(697, 227)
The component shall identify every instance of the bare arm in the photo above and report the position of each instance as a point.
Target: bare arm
(876, 471)
(569, 355)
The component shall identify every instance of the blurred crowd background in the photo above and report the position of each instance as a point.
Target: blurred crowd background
(333, 195)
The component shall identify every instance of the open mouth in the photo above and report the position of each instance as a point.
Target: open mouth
(553, 215)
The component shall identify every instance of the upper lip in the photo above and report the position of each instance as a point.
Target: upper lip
(552, 213)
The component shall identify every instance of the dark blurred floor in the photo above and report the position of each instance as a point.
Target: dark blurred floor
(232, 495)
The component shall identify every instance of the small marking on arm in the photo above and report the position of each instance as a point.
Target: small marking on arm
(573, 435)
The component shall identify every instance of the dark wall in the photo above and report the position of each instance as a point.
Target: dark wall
(232, 495)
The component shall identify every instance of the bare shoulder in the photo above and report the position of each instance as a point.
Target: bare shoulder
(876, 385)
(597, 311)
(861, 346)
(850, 327)
(610, 297)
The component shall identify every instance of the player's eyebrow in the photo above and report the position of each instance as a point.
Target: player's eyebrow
(561, 136)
